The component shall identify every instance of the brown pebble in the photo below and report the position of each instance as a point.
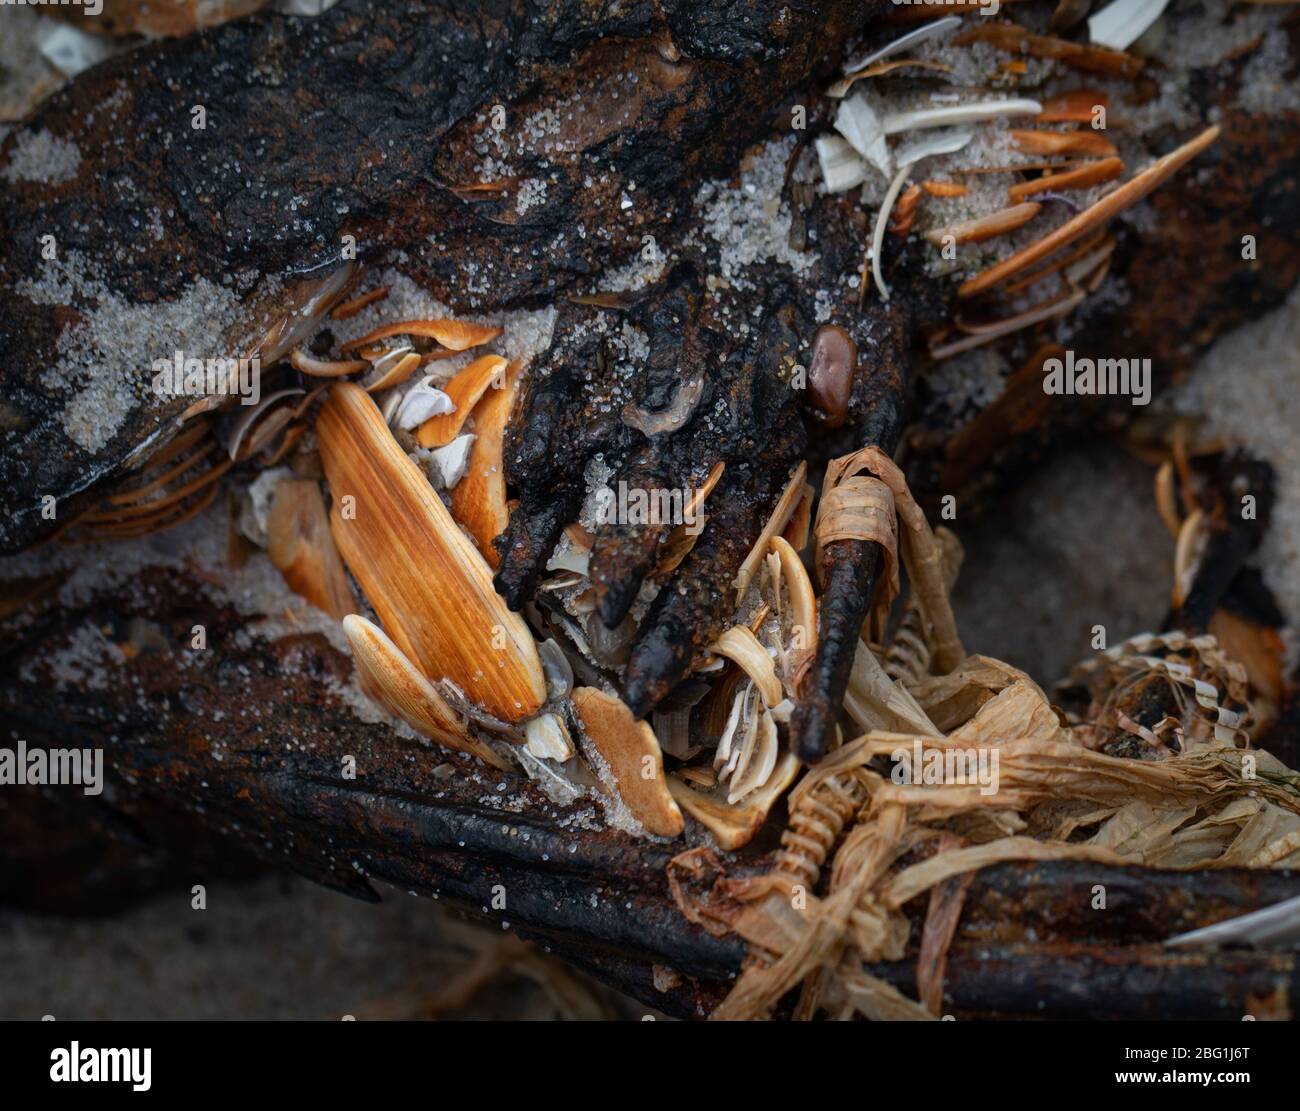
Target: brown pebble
(830, 374)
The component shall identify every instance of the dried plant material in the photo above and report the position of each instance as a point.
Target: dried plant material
(631, 755)
(394, 373)
(1122, 22)
(940, 928)
(392, 680)
(875, 701)
(879, 69)
(944, 188)
(741, 646)
(1093, 247)
(302, 549)
(1062, 142)
(324, 368)
(859, 507)
(547, 737)
(465, 390)
(1085, 177)
(1111, 205)
(349, 309)
(780, 517)
(455, 335)
(734, 826)
(704, 778)
(479, 499)
(1188, 549)
(955, 698)
(427, 582)
(956, 114)
(987, 226)
(908, 157)
(683, 537)
(1017, 168)
(1075, 106)
(1016, 40)
(1061, 305)
(1014, 323)
(907, 658)
(904, 215)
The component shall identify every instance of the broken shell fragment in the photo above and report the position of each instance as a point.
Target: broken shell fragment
(324, 368)
(455, 335)
(388, 676)
(261, 412)
(391, 370)
(547, 737)
(464, 391)
(479, 499)
(632, 756)
(302, 549)
(798, 589)
(426, 580)
(734, 826)
(422, 401)
(742, 647)
(453, 460)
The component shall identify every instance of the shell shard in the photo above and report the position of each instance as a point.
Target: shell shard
(479, 499)
(465, 390)
(388, 676)
(425, 579)
(630, 752)
(302, 549)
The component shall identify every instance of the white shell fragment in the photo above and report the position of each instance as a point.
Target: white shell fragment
(257, 504)
(70, 50)
(958, 113)
(453, 460)
(422, 401)
(547, 737)
(857, 121)
(841, 167)
(556, 668)
(1122, 23)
